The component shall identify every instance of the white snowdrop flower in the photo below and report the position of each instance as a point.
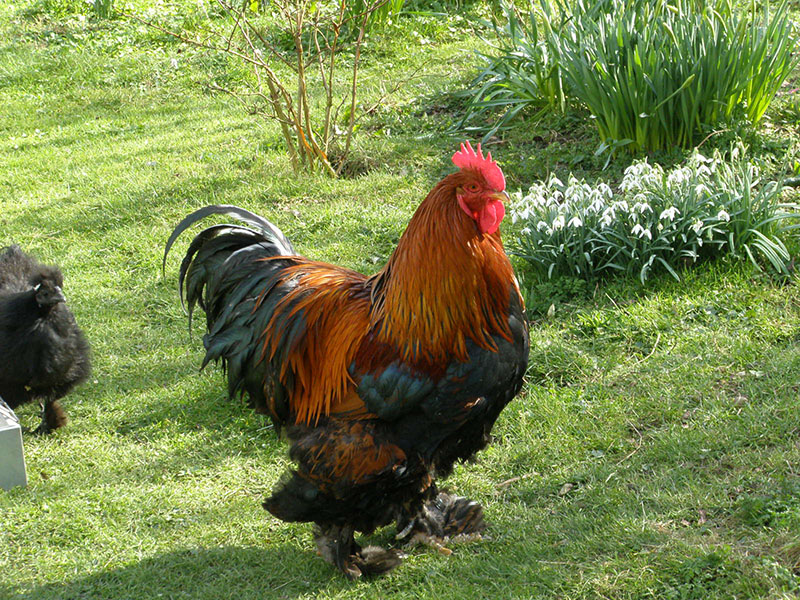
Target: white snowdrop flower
(723, 215)
(703, 170)
(677, 177)
(526, 231)
(173, 63)
(634, 169)
(542, 226)
(605, 190)
(555, 181)
(669, 213)
(621, 205)
(705, 159)
(559, 223)
(575, 222)
(642, 207)
(641, 232)
(607, 218)
(697, 226)
(628, 184)
(596, 206)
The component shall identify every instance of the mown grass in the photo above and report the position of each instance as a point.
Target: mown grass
(653, 452)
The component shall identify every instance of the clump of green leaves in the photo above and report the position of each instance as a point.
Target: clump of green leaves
(103, 8)
(653, 73)
(702, 576)
(772, 508)
(377, 16)
(657, 73)
(523, 74)
(657, 220)
(55, 8)
(543, 296)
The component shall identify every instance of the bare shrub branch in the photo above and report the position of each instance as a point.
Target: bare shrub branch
(285, 81)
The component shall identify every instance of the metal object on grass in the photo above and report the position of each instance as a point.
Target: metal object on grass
(12, 460)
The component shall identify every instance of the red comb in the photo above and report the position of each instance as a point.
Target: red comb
(467, 158)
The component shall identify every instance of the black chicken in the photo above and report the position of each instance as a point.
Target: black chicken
(43, 353)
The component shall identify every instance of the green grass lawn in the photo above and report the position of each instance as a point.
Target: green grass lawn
(654, 452)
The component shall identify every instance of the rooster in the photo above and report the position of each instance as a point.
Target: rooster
(381, 383)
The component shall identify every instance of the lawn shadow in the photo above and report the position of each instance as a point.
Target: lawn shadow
(224, 572)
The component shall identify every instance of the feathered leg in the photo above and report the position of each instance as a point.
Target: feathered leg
(441, 519)
(345, 472)
(337, 545)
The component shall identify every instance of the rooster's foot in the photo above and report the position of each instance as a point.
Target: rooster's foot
(446, 518)
(338, 547)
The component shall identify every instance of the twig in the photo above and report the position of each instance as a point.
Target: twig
(351, 121)
(508, 482)
(710, 135)
(394, 88)
(652, 350)
(638, 445)
(261, 38)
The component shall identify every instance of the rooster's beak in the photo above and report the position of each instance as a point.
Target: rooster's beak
(501, 197)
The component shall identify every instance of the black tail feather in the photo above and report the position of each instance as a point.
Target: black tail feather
(267, 229)
(221, 240)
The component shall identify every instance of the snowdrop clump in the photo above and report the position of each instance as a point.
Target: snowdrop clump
(655, 219)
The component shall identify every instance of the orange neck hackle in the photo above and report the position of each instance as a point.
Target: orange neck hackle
(445, 283)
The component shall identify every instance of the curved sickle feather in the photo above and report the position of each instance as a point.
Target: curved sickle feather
(245, 216)
(207, 234)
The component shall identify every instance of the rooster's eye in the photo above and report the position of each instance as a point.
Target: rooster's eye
(473, 187)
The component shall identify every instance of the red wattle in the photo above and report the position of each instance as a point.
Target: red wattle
(490, 216)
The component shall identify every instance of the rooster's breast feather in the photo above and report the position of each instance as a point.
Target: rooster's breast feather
(445, 391)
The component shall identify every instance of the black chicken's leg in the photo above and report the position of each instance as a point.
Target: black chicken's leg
(337, 546)
(53, 417)
(443, 518)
